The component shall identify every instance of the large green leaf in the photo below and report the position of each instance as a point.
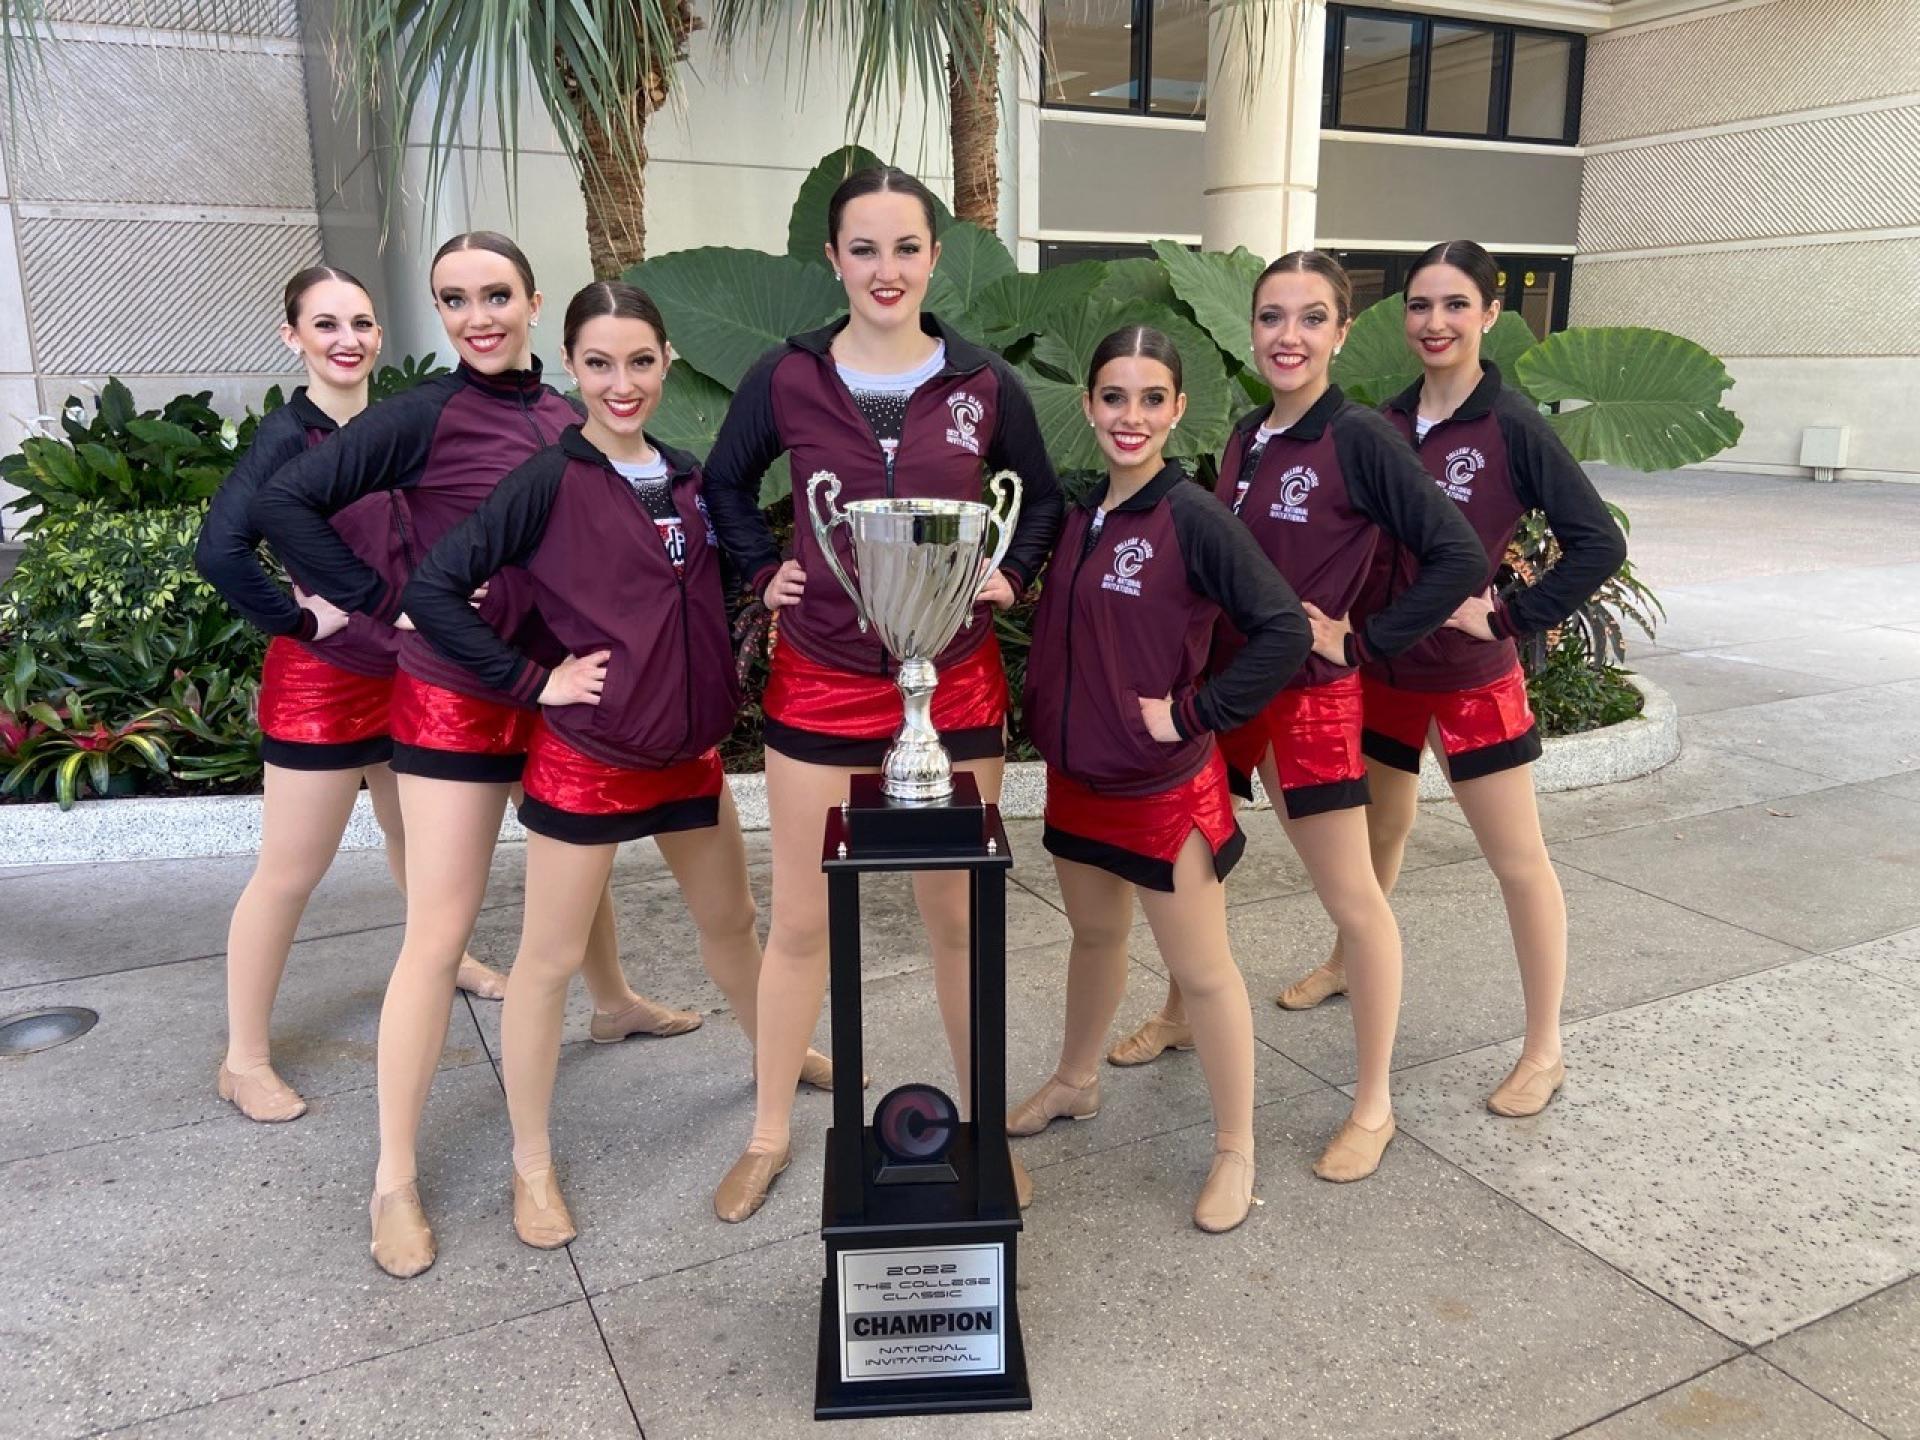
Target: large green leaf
(1068, 349)
(807, 222)
(1063, 422)
(1375, 364)
(690, 411)
(1016, 306)
(1137, 279)
(725, 308)
(1217, 286)
(971, 259)
(1652, 399)
(1510, 338)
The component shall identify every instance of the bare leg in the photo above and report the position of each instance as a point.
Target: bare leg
(473, 977)
(304, 815)
(711, 868)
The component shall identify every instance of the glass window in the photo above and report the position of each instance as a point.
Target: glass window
(1460, 80)
(1537, 109)
(1089, 53)
(1376, 72)
(1179, 49)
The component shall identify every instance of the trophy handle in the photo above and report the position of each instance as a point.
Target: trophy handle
(823, 532)
(1003, 516)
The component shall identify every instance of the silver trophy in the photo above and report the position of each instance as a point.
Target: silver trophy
(920, 565)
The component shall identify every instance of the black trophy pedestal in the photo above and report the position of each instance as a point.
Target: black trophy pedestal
(918, 1307)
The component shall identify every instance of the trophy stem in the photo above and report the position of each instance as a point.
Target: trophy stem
(916, 768)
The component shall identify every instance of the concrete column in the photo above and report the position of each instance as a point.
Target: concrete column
(1263, 137)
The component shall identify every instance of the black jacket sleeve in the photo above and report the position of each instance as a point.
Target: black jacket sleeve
(385, 448)
(749, 441)
(1017, 446)
(505, 530)
(228, 550)
(1547, 478)
(1391, 488)
(1226, 564)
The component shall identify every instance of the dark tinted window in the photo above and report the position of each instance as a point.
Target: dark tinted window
(1376, 72)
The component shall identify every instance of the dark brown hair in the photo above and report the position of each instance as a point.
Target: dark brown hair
(1469, 258)
(610, 297)
(1313, 262)
(876, 180)
(498, 244)
(313, 275)
(1128, 340)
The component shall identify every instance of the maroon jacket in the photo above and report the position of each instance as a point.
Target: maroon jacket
(1497, 458)
(1319, 500)
(1130, 612)
(970, 419)
(602, 580)
(445, 443)
(228, 551)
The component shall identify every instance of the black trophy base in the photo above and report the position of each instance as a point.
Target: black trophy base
(837, 1399)
(881, 828)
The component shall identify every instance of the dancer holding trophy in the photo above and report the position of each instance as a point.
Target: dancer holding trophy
(1136, 787)
(894, 404)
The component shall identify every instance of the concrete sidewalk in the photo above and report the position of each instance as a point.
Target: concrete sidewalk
(1714, 1231)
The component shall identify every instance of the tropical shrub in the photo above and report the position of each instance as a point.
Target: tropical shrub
(72, 752)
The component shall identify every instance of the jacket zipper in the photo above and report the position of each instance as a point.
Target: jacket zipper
(1073, 603)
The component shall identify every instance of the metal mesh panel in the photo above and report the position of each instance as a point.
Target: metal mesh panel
(218, 17)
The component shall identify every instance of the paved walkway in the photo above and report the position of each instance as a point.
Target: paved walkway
(1714, 1232)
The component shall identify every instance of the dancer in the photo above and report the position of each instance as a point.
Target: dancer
(1320, 481)
(894, 403)
(458, 745)
(1461, 691)
(1136, 788)
(611, 527)
(323, 688)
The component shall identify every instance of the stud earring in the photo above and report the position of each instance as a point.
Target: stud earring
(836, 274)
(1486, 329)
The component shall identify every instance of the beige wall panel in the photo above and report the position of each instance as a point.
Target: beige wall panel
(141, 123)
(1854, 298)
(1429, 193)
(1840, 173)
(1768, 60)
(278, 18)
(1777, 399)
(1144, 179)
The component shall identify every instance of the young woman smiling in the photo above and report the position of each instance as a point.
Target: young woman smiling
(1319, 481)
(1460, 691)
(895, 403)
(459, 745)
(1136, 789)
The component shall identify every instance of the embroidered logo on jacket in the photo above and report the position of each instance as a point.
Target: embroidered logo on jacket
(1462, 465)
(967, 414)
(1129, 558)
(1295, 486)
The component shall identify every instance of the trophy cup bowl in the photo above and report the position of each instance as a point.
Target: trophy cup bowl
(918, 564)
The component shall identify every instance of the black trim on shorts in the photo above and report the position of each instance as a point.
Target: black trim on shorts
(1143, 870)
(347, 755)
(478, 769)
(1306, 801)
(982, 742)
(1494, 758)
(698, 812)
(1389, 751)
(1239, 784)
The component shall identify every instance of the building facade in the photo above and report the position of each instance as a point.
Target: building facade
(1744, 172)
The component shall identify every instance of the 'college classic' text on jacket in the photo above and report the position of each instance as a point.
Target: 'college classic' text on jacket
(445, 443)
(602, 580)
(1497, 458)
(228, 552)
(1129, 611)
(971, 418)
(1320, 498)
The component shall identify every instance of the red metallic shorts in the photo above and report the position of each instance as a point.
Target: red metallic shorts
(1483, 731)
(316, 716)
(1315, 735)
(828, 716)
(584, 801)
(1138, 837)
(444, 735)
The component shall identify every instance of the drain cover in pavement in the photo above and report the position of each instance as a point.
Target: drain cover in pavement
(33, 1030)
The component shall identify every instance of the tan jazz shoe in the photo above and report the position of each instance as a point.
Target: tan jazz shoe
(1313, 987)
(642, 1017)
(261, 1095)
(1354, 1153)
(482, 982)
(744, 1190)
(1527, 1088)
(1228, 1194)
(1022, 1184)
(402, 1241)
(1055, 1100)
(540, 1215)
(1153, 1038)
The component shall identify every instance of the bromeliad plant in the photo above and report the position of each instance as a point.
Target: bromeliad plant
(73, 753)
